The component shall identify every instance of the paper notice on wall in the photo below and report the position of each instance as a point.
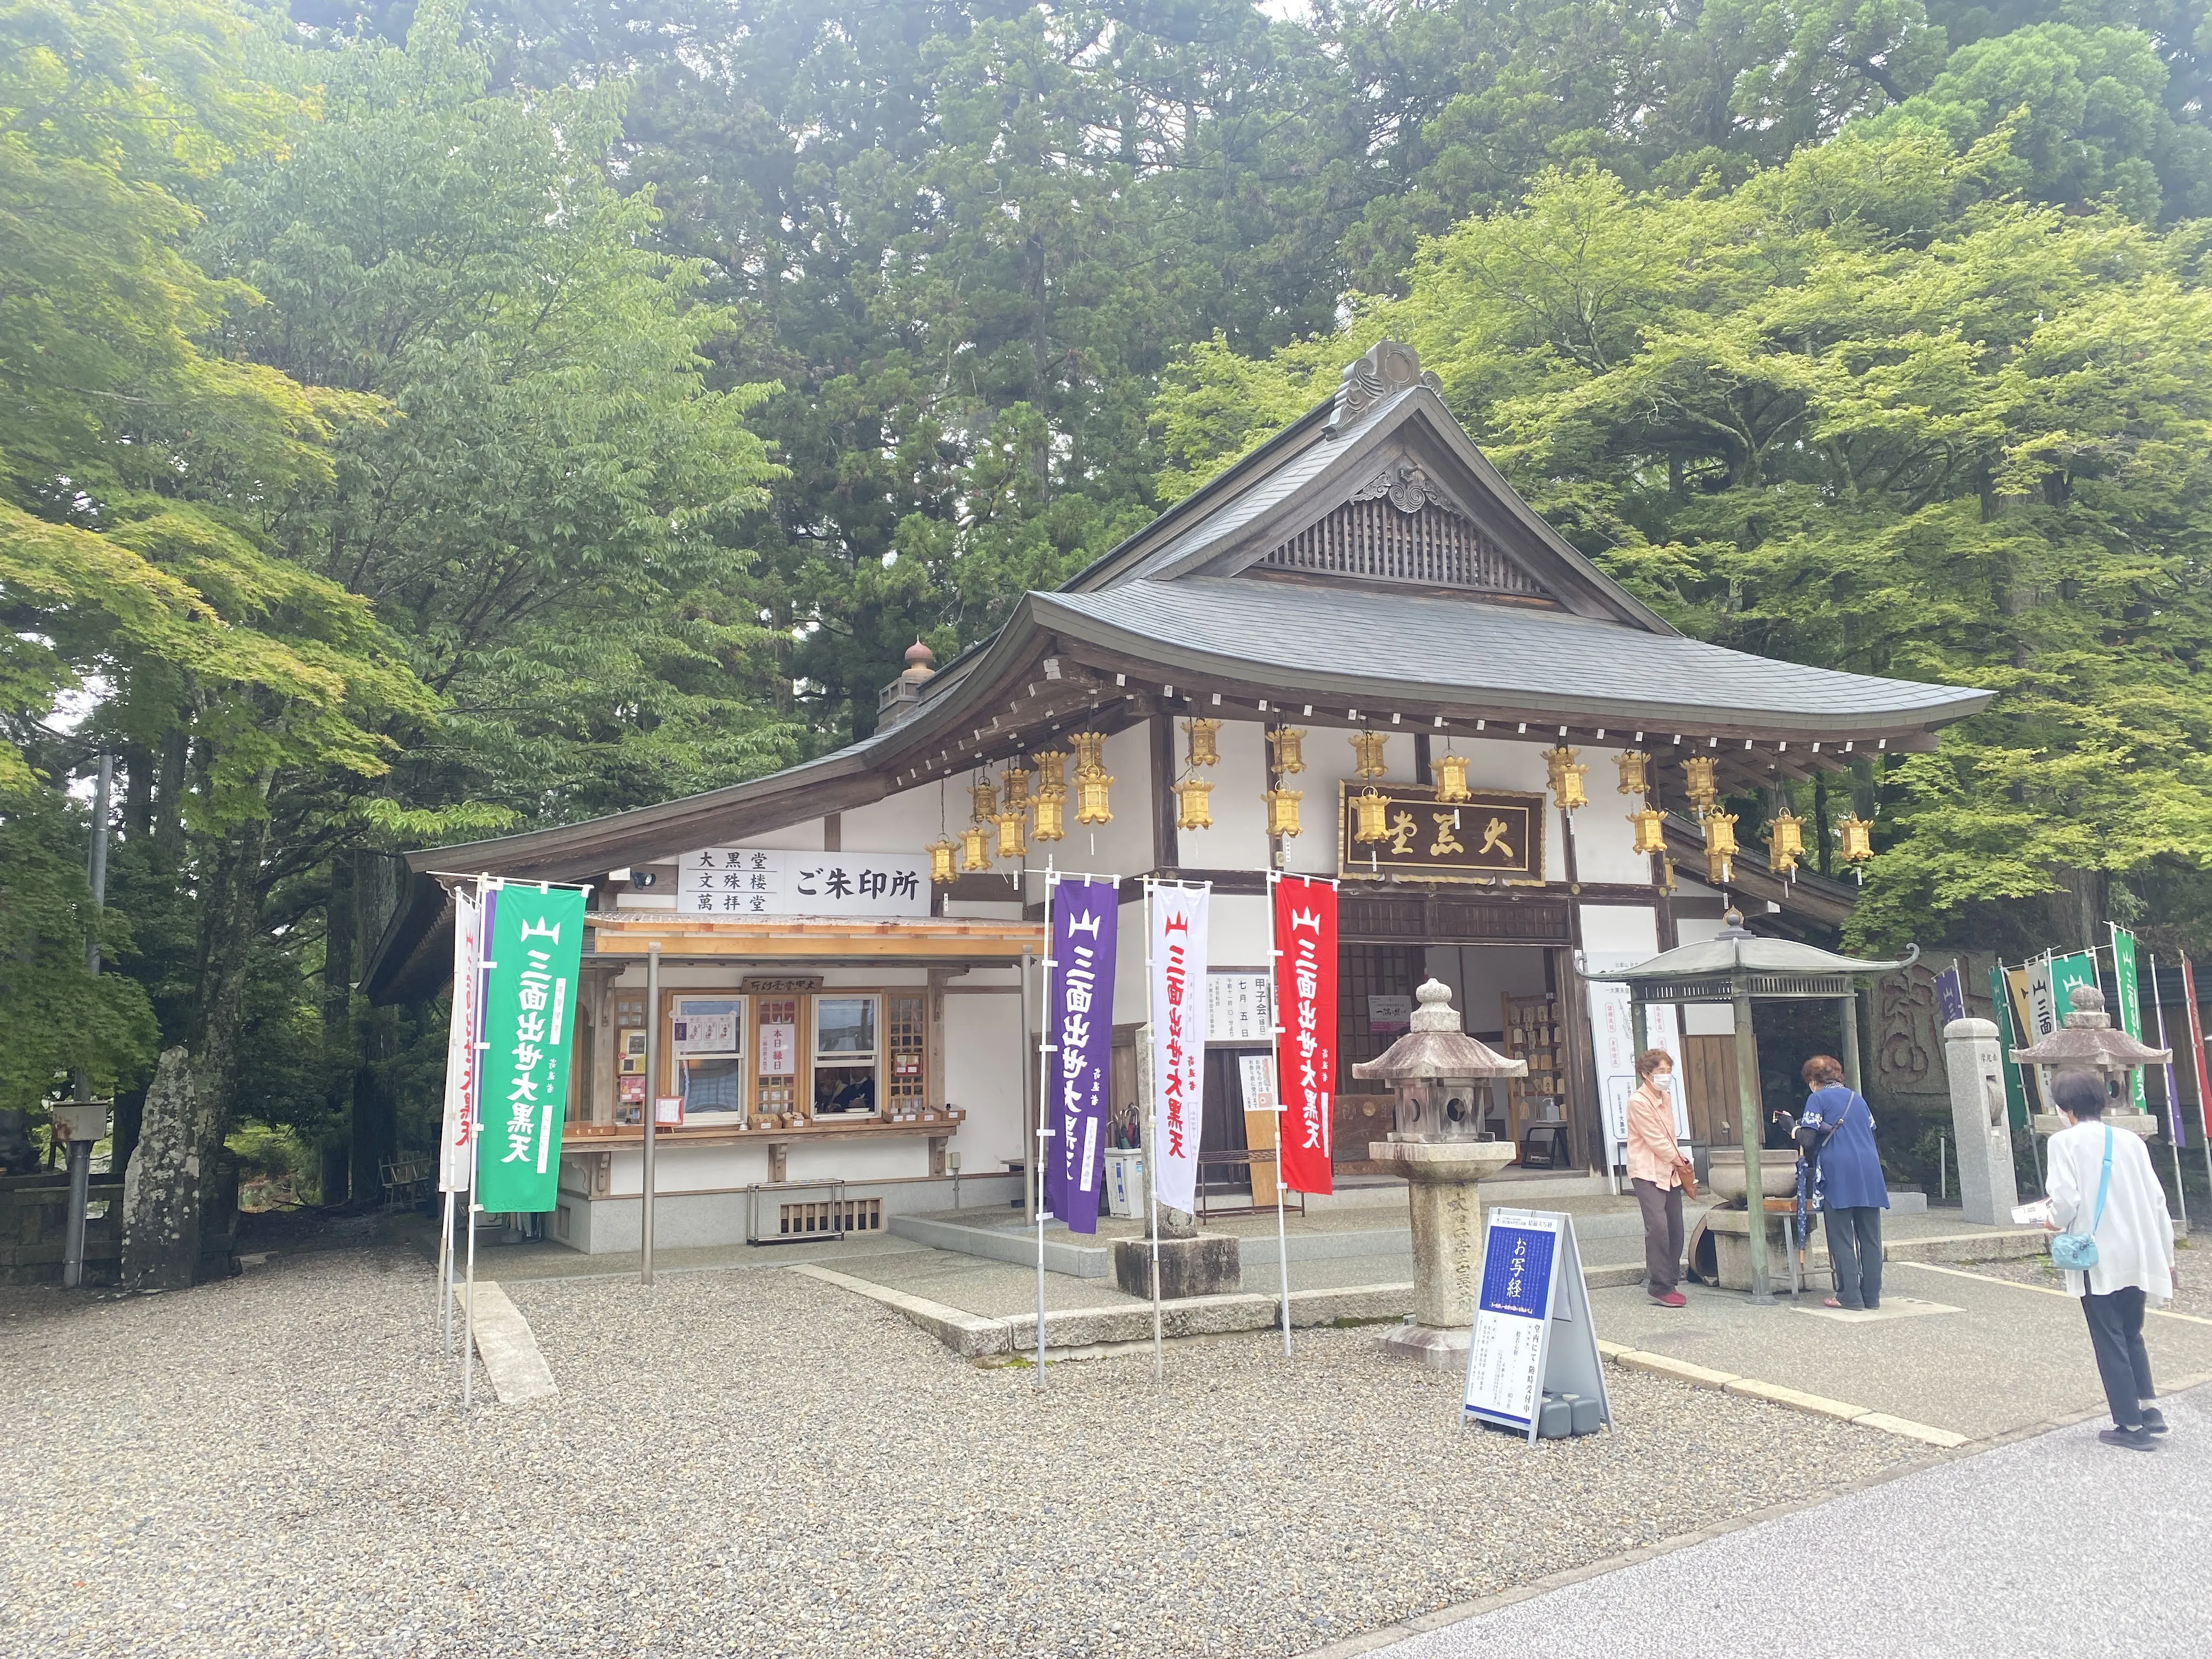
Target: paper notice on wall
(1612, 1037)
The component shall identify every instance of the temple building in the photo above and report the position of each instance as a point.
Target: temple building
(1356, 654)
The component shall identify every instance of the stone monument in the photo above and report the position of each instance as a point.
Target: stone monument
(1987, 1186)
(1439, 1076)
(1192, 1263)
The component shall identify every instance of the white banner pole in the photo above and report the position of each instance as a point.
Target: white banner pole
(469, 1303)
(445, 1276)
(1152, 1184)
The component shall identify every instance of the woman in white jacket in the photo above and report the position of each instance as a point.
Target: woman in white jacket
(2135, 1248)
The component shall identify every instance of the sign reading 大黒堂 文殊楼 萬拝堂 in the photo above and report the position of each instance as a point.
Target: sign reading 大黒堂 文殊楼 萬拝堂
(732, 882)
(534, 940)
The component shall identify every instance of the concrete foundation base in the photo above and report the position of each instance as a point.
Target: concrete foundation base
(1730, 1231)
(1208, 1265)
(1437, 1348)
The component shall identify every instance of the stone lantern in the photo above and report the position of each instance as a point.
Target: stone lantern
(2087, 1039)
(1440, 1079)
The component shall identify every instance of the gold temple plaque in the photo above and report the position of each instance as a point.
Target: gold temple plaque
(1493, 835)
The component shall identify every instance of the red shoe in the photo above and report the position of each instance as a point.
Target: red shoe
(1672, 1299)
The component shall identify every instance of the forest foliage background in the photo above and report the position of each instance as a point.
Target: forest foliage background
(424, 421)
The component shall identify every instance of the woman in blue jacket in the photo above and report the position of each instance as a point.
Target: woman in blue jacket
(1837, 1132)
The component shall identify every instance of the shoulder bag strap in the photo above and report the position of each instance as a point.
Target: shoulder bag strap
(2105, 1184)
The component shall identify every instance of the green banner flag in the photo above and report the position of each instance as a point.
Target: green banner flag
(2007, 1040)
(2127, 1010)
(534, 940)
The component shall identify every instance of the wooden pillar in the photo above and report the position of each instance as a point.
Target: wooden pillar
(598, 986)
(1582, 1105)
(1167, 856)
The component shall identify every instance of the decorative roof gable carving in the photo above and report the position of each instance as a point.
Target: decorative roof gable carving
(1384, 369)
(1398, 530)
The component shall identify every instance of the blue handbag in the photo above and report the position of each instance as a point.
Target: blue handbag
(2077, 1252)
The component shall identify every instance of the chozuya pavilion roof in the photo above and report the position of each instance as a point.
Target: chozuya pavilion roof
(1364, 565)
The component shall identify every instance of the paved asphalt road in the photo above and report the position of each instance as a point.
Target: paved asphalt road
(2046, 1548)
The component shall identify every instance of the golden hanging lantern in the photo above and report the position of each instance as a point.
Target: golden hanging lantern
(1289, 744)
(1014, 787)
(1090, 751)
(1451, 778)
(985, 798)
(1567, 775)
(940, 860)
(1372, 810)
(1091, 805)
(1856, 834)
(1200, 732)
(1650, 831)
(974, 848)
(1051, 775)
(1193, 812)
(1785, 841)
(1720, 846)
(1283, 811)
(1051, 811)
(1011, 824)
(1698, 770)
(1634, 771)
(1367, 754)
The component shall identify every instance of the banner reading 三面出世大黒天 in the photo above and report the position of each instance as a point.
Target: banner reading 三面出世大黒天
(1305, 1042)
(1078, 1023)
(533, 939)
(456, 1130)
(1177, 995)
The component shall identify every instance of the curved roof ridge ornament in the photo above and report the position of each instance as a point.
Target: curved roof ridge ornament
(1382, 371)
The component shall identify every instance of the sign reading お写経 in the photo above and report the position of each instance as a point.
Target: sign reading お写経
(532, 942)
(767, 881)
(1532, 1324)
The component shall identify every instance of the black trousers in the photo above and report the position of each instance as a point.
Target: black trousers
(1854, 1253)
(2124, 1363)
(1663, 1234)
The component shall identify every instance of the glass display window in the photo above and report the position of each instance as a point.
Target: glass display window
(706, 1041)
(847, 1055)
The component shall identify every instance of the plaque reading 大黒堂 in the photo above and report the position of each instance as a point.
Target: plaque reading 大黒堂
(1495, 835)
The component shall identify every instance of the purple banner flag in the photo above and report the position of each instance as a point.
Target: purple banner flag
(1079, 1022)
(1950, 996)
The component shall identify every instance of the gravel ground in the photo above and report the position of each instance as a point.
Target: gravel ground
(754, 1462)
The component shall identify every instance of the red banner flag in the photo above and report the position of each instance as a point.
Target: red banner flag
(1305, 1036)
(2196, 1047)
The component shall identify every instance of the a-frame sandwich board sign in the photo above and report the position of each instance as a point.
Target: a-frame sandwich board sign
(1533, 1329)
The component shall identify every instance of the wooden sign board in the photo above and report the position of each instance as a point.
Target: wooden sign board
(1498, 835)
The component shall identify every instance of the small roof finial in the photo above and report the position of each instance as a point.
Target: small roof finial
(919, 655)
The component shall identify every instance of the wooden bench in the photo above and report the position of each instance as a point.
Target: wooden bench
(406, 1181)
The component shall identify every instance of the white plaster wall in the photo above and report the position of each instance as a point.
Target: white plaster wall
(1129, 965)
(859, 1160)
(1621, 928)
(1328, 761)
(1238, 932)
(905, 823)
(983, 1076)
(1604, 839)
(680, 1168)
(1238, 839)
(984, 910)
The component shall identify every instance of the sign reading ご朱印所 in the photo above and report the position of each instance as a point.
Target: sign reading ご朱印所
(1495, 836)
(769, 881)
(533, 941)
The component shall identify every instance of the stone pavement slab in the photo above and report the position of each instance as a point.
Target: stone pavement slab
(2011, 1357)
(2053, 1546)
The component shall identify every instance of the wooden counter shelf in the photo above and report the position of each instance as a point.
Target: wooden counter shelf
(585, 1140)
(601, 1137)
